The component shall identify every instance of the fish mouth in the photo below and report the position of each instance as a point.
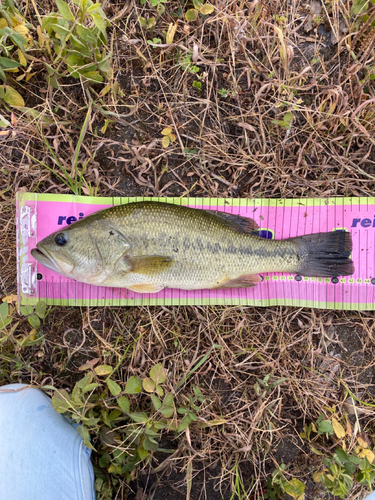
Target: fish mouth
(44, 258)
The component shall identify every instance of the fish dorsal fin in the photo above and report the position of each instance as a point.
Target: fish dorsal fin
(148, 264)
(236, 222)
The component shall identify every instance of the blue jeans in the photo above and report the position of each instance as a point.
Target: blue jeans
(42, 456)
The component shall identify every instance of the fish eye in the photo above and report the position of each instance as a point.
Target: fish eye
(61, 239)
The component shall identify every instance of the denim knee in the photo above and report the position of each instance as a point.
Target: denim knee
(43, 455)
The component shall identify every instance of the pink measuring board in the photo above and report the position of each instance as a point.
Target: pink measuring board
(41, 214)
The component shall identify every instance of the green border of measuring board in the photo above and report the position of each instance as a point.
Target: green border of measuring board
(338, 306)
(221, 202)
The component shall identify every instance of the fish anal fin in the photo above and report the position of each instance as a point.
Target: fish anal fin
(237, 222)
(146, 288)
(244, 281)
(148, 264)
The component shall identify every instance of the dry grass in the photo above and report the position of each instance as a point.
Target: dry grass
(229, 144)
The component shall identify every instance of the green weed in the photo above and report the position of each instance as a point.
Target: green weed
(16, 333)
(360, 8)
(75, 178)
(147, 23)
(154, 41)
(278, 485)
(340, 469)
(73, 42)
(77, 36)
(123, 421)
(190, 153)
(14, 39)
(228, 93)
(199, 8)
(187, 65)
(168, 137)
(35, 316)
(286, 122)
(158, 4)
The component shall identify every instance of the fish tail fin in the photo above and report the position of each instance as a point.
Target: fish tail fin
(325, 254)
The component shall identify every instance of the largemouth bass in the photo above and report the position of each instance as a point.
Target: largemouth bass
(148, 246)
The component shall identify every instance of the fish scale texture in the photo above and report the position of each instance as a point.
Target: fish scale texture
(205, 250)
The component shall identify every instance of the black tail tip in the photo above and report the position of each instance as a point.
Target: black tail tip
(326, 255)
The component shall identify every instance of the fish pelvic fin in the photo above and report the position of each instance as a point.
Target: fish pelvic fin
(236, 222)
(244, 281)
(325, 254)
(146, 288)
(150, 265)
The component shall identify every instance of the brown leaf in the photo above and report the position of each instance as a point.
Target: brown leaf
(338, 428)
(89, 365)
(363, 440)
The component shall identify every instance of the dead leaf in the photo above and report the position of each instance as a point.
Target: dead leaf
(89, 365)
(349, 429)
(4, 134)
(10, 298)
(315, 7)
(171, 32)
(338, 429)
(247, 126)
(363, 440)
(365, 453)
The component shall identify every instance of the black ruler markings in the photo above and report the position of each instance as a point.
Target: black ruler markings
(247, 291)
(347, 284)
(298, 201)
(262, 225)
(335, 287)
(277, 217)
(230, 204)
(351, 231)
(325, 229)
(373, 271)
(215, 292)
(264, 283)
(315, 285)
(367, 250)
(359, 265)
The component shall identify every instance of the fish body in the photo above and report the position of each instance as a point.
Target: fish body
(148, 246)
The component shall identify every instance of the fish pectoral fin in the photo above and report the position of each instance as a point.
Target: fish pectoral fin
(148, 264)
(237, 222)
(144, 288)
(246, 280)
